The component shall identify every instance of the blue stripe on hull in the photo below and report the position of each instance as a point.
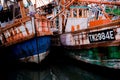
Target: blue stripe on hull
(30, 47)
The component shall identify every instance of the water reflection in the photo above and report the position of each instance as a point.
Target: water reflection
(55, 72)
(54, 67)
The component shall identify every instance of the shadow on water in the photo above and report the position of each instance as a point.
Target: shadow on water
(56, 66)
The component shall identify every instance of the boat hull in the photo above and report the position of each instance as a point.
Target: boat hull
(32, 50)
(108, 57)
(85, 45)
(94, 68)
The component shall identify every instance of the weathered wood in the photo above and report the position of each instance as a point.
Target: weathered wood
(19, 41)
(25, 39)
(16, 23)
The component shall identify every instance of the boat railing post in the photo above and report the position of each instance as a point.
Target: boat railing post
(26, 29)
(33, 25)
(20, 34)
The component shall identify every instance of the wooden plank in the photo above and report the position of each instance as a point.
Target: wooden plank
(19, 41)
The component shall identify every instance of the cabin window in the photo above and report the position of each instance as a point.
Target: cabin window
(75, 12)
(80, 13)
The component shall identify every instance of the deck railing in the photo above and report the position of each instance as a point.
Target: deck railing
(21, 30)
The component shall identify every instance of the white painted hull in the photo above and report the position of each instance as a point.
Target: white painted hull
(35, 58)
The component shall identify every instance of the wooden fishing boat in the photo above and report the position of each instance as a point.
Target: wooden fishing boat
(88, 33)
(27, 38)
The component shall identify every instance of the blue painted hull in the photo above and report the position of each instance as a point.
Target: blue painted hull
(32, 50)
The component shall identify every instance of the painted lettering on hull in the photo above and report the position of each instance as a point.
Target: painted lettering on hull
(104, 35)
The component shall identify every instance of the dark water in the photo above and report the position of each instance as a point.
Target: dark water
(56, 66)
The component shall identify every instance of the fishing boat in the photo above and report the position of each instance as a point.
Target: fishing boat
(89, 33)
(27, 37)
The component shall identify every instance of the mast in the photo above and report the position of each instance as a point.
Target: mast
(22, 9)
